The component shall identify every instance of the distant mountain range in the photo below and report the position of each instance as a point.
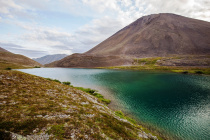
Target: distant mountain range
(157, 35)
(50, 58)
(11, 60)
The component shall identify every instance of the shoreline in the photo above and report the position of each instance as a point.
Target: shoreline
(170, 69)
(147, 126)
(181, 70)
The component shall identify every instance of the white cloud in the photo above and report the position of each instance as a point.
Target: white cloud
(9, 8)
(51, 40)
(190, 8)
(98, 30)
(8, 5)
(33, 4)
(108, 17)
(39, 39)
(101, 5)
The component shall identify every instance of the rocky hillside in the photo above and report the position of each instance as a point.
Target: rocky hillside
(49, 58)
(11, 60)
(158, 35)
(37, 108)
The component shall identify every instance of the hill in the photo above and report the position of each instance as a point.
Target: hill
(50, 58)
(158, 35)
(3, 50)
(14, 61)
(37, 108)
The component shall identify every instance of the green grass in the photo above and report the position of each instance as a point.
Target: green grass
(94, 93)
(57, 130)
(122, 116)
(147, 61)
(55, 80)
(66, 83)
(8, 68)
(5, 65)
(87, 90)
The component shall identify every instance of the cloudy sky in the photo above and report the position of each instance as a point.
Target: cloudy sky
(36, 28)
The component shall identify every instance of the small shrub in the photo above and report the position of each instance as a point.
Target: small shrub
(91, 91)
(57, 80)
(66, 83)
(49, 79)
(4, 135)
(185, 72)
(37, 67)
(198, 72)
(8, 68)
(87, 90)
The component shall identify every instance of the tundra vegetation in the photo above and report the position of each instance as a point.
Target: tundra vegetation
(16, 61)
(33, 107)
(169, 64)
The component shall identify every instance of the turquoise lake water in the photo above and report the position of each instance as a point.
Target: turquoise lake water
(176, 104)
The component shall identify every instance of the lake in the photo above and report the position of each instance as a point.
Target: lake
(176, 104)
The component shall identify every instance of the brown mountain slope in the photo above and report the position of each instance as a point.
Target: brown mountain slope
(3, 50)
(11, 60)
(158, 35)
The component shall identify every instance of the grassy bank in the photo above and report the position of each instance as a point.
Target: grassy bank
(184, 70)
(36, 107)
(156, 64)
(95, 94)
(5, 65)
(87, 90)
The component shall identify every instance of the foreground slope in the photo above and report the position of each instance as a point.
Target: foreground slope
(11, 60)
(50, 58)
(158, 35)
(37, 108)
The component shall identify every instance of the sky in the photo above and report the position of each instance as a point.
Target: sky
(36, 28)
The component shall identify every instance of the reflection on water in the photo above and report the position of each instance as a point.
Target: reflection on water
(178, 104)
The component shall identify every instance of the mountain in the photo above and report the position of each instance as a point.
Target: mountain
(3, 50)
(157, 35)
(50, 58)
(11, 60)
